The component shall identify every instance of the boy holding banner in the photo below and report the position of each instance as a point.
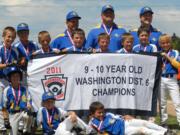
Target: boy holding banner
(127, 42)
(44, 39)
(115, 125)
(103, 42)
(169, 82)
(144, 46)
(78, 37)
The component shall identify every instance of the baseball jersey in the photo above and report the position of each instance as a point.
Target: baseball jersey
(15, 100)
(111, 124)
(26, 51)
(41, 51)
(63, 41)
(50, 119)
(99, 50)
(7, 56)
(153, 38)
(168, 68)
(115, 33)
(75, 49)
(148, 48)
(123, 50)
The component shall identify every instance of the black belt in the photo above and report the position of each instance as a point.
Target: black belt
(15, 111)
(168, 75)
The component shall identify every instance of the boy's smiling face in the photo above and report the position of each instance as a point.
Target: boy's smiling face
(165, 45)
(104, 43)
(99, 114)
(127, 44)
(144, 38)
(9, 38)
(78, 40)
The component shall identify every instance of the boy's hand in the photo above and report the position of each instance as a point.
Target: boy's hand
(73, 116)
(23, 61)
(28, 105)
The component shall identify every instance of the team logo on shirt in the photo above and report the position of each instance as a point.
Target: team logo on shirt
(55, 84)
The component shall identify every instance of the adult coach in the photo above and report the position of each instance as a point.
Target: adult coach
(107, 26)
(64, 40)
(146, 16)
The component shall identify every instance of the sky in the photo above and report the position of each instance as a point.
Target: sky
(50, 14)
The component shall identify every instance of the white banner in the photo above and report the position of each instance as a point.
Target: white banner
(119, 81)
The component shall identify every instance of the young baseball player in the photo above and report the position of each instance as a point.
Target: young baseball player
(16, 102)
(169, 82)
(24, 46)
(114, 124)
(144, 46)
(44, 39)
(51, 118)
(78, 37)
(105, 122)
(8, 57)
(103, 41)
(127, 42)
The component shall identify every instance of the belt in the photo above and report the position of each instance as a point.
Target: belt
(15, 111)
(169, 75)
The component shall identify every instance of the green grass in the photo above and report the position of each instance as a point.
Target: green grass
(172, 123)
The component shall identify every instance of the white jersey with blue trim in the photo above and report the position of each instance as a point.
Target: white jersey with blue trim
(148, 48)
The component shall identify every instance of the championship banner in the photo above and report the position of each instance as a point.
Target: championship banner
(122, 82)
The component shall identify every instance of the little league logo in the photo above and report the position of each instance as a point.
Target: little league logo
(55, 84)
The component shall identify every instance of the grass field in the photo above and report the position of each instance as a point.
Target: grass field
(172, 123)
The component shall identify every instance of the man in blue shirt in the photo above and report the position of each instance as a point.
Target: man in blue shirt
(146, 15)
(108, 26)
(64, 40)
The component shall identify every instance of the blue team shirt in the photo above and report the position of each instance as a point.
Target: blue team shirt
(51, 50)
(153, 39)
(63, 41)
(111, 124)
(75, 49)
(115, 37)
(55, 114)
(22, 50)
(9, 100)
(6, 56)
(123, 50)
(100, 51)
(148, 48)
(169, 69)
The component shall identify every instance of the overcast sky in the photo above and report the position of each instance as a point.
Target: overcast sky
(50, 14)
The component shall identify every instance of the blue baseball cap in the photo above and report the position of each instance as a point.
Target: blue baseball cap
(22, 26)
(107, 7)
(71, 15)
(11, 70)
(47, 95)
(145, 10)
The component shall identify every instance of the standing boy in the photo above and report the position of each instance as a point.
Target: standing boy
(144, 46)
(127, 42)
(169, 82)
(44, 39)
(8, 57)
(78, 37)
